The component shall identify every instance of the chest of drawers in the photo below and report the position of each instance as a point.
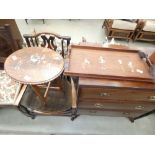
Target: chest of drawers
(115, 97)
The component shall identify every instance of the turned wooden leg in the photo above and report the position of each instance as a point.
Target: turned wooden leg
(74, 96)
(131, 119)
(38, 93)
(74, 101)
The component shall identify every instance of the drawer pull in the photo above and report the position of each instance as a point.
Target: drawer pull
(125, 113)
(98, 105)
(152, 98)
(104, 94)
(139, 107)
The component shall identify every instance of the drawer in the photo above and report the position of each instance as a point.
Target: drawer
(113, 113)
(117, 94)
(117, 105)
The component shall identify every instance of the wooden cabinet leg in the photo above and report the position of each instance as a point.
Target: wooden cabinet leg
(74, 95)
(74, 101)
(131, 119)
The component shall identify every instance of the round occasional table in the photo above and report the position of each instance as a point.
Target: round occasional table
(34, 66)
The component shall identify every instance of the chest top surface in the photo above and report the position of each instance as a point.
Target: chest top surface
(99, 62)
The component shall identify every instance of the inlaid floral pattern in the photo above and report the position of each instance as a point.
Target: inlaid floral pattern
(8, 88)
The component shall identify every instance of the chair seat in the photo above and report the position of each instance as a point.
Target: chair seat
(149, 26)
(8, 89)
(125, 25)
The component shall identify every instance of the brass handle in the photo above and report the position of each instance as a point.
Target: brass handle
(125, 113)
(104, 94)
(139, 107)
(98, 105)
(152, 98)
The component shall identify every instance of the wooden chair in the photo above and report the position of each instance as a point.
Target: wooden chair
(7, 43)
(53, 41)
(145, 31)
(11, 92)
(119, 28)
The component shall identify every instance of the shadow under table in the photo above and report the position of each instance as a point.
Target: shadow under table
(58, 102)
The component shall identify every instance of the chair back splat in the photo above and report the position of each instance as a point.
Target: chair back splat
(50, 40)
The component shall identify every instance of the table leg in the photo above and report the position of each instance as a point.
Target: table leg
(74, 101)
(74, 96)
(38, 93)
(25, 111)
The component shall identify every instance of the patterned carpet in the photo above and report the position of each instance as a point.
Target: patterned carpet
(8, 89)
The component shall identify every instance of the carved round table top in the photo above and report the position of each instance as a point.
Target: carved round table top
(34, 65)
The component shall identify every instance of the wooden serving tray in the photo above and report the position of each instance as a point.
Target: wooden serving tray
(101, 62)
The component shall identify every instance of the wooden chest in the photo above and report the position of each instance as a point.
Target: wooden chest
(115, 97)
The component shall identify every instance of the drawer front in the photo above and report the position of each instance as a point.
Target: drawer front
(117, 94)
(116, 105)
(113, 113)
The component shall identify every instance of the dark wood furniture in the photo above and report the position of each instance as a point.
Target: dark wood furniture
(18, 40)
(7, 43)
(51, 40)
(124, 86)
(35, 66)
(115, 97)
(114, 31)
(145, 31)
(101, 62)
